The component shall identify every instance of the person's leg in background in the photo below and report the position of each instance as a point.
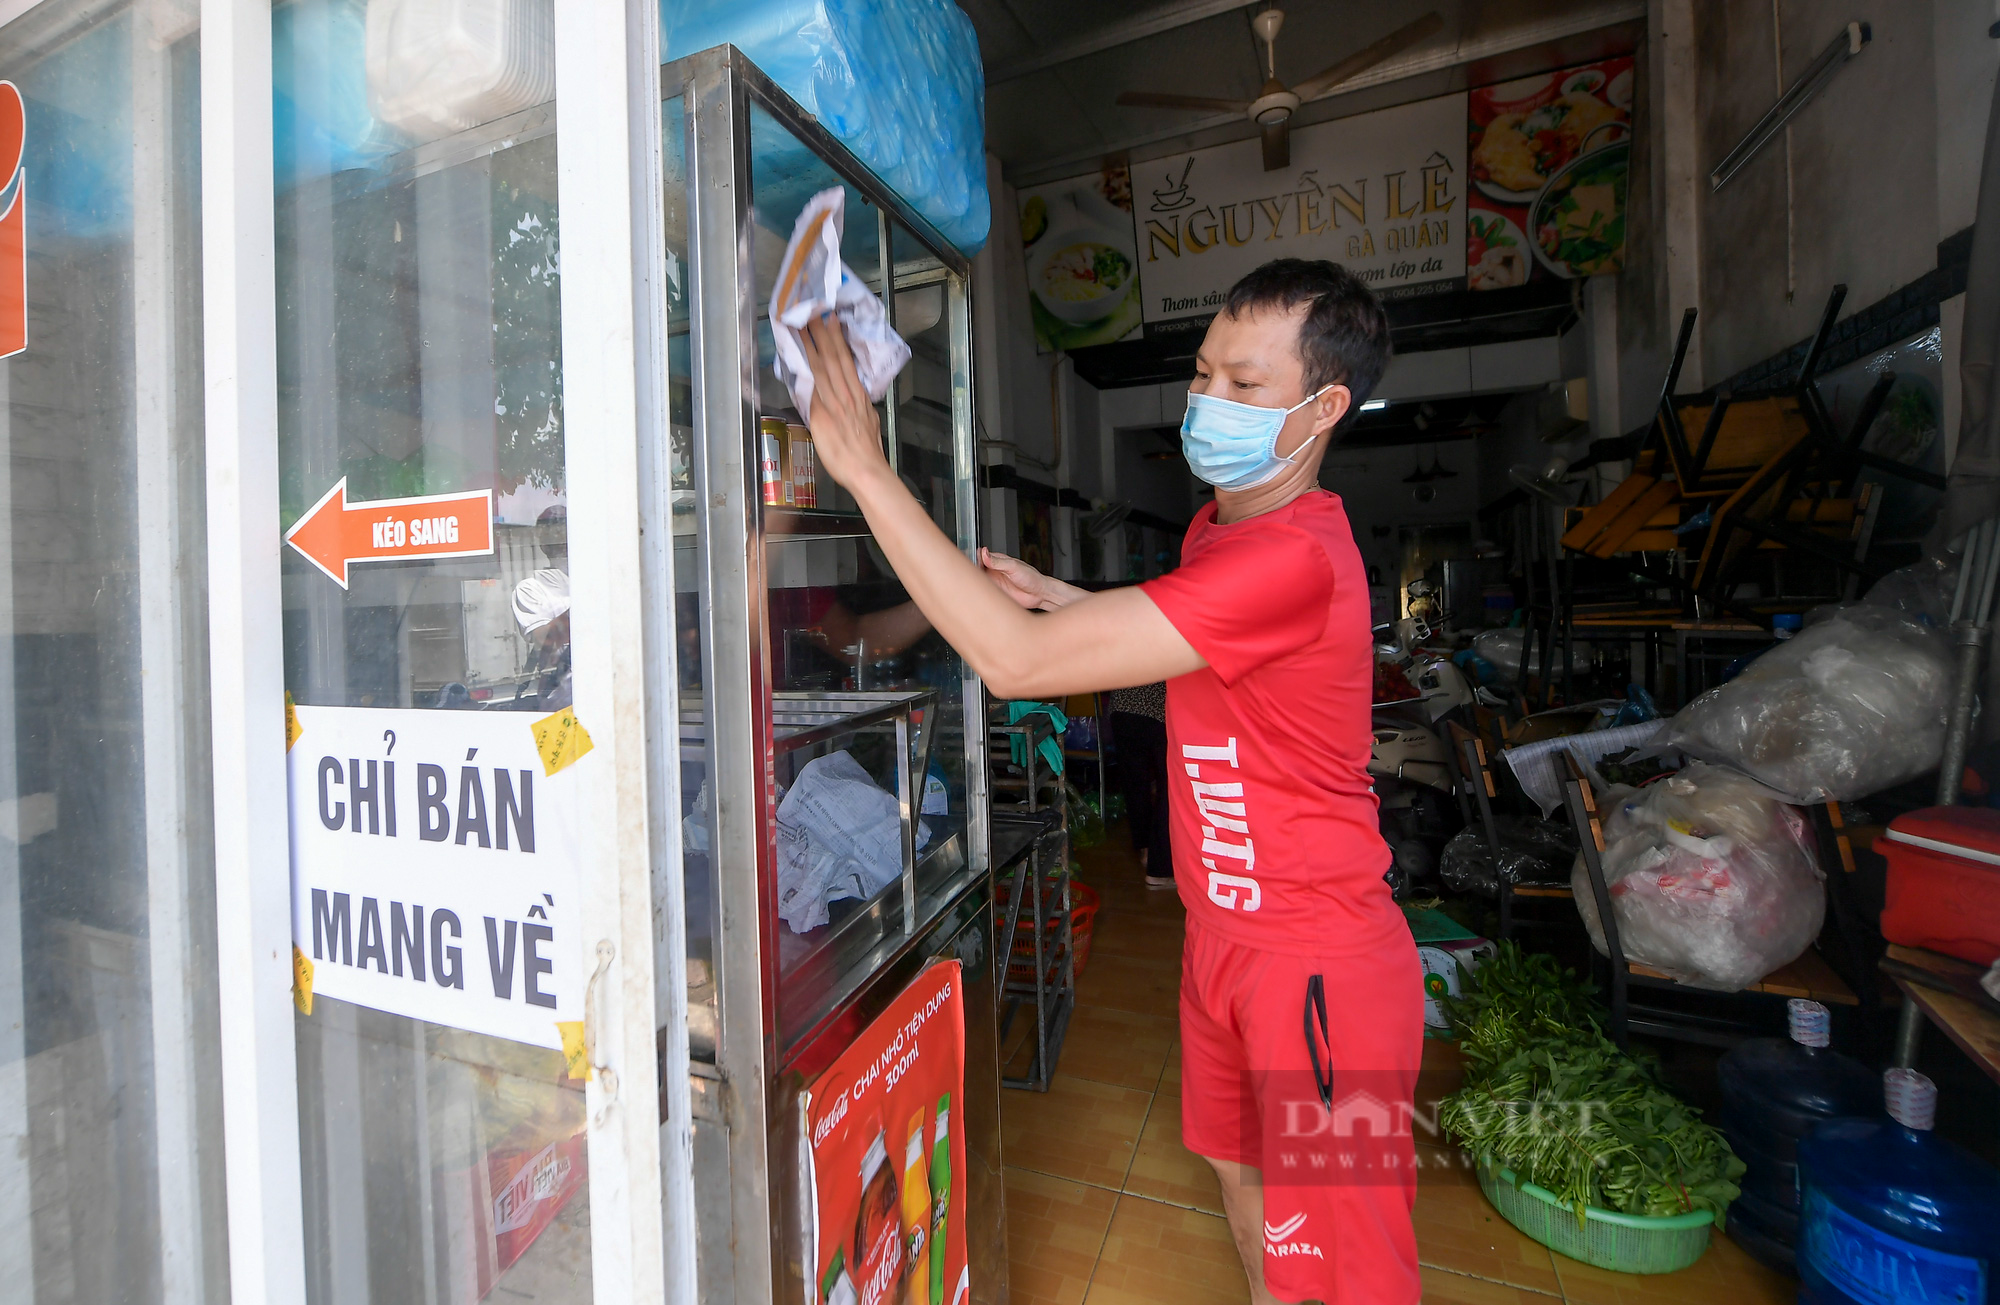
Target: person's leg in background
(1160, 862)
(1142, 762)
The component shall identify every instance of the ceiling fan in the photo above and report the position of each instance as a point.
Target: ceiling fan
(1276, 103)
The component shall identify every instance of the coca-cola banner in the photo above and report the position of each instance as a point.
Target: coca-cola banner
(887, 1146)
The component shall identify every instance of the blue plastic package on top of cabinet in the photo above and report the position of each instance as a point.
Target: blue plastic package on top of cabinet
(898, 82)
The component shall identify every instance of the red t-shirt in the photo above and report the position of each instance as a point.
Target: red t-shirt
(1275, 838)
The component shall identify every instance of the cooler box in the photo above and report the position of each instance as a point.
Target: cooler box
(1943, 891)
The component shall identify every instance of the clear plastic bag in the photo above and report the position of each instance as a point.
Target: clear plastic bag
(839, 835)
(1502, 650)
(1921, 591)
(1712, 877)
(1853, 704)
(1531, 852)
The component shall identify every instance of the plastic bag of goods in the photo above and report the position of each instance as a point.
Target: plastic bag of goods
(1502, 649)
(1712, 878)
(899, 82)
(1922, 591)
(839, 836)
(1853, 704)
(1531, 852)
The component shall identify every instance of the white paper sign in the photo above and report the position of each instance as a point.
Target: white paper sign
(1382, 193)
(435, 868)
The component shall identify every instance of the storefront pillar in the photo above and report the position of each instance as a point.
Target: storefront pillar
(246, 658)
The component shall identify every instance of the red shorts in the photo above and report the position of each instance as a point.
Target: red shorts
(1338, 1182)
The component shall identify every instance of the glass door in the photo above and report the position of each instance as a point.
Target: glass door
(430, 671)
(111, 1155)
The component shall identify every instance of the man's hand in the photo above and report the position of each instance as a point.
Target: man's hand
(1112, 640)
(1027, 586)
(847, 434)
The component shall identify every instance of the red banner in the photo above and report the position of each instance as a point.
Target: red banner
(13, 223)
(887, 1135)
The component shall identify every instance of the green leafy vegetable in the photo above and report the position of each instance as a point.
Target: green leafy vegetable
(1548, 1096)
(1110, 267)
(1491, 231)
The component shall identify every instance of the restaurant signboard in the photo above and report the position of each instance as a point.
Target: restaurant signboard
(1381, 193)
(1483, 190)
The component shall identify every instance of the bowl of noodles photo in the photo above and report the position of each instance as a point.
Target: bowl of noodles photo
(1082, 281)
(1578, 221)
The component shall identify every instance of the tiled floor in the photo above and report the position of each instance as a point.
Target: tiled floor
(1104, 1204)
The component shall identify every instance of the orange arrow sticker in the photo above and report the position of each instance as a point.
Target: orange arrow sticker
(334, 534)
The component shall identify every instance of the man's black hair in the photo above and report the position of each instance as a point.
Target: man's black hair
(1344, 339)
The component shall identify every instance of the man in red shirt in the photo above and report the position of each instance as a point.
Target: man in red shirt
(1301, 995)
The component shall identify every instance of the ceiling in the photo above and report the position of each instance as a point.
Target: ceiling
(1055, 67)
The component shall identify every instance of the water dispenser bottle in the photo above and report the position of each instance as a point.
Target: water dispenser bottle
(1775, 1091)
(1890, 1212)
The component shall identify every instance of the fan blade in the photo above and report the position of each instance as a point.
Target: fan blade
(1313, 88)
(1278, 145)
(1158, 100)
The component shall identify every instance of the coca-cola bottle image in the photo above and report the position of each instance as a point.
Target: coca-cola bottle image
(878, 1228)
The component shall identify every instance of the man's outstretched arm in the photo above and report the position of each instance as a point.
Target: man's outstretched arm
(1101, 641)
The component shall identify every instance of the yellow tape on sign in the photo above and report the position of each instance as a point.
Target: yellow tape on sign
(561, 740)
(292, 727)
(576, 1056)
(302, 981)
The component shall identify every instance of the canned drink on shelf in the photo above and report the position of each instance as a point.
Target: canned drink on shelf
(804, 477)
(771, 461)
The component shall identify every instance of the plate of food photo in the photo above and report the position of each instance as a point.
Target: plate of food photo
(1497, 255)
(1518, 153)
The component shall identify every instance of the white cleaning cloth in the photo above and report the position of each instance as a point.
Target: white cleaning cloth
(812, 280)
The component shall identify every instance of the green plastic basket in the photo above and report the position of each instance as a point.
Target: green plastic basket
(1627, 1243)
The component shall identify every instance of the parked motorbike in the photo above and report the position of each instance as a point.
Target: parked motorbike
(1410, 761)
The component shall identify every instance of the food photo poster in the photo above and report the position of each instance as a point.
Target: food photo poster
(1082, 260)
(886, 1143)
(1550, 157)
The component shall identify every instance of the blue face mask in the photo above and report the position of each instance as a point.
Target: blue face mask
(1234, 445)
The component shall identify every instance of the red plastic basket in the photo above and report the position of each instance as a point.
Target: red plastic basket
(1084, 902)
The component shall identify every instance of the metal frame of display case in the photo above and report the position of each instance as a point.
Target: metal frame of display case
(1036, 849)
(751, 1187)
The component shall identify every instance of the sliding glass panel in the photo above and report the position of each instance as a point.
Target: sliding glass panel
(426, 627)
(110, 1117)
(867, 739)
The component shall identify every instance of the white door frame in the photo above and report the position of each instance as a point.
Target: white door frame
(253, 893)
(608, 184)
(608, 140)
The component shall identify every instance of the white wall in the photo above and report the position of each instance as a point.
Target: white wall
(1884, 161)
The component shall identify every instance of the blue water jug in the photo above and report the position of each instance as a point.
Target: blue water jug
(1775, 1091)
(1890, 1212)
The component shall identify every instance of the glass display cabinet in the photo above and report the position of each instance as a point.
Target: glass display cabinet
(819, 713)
